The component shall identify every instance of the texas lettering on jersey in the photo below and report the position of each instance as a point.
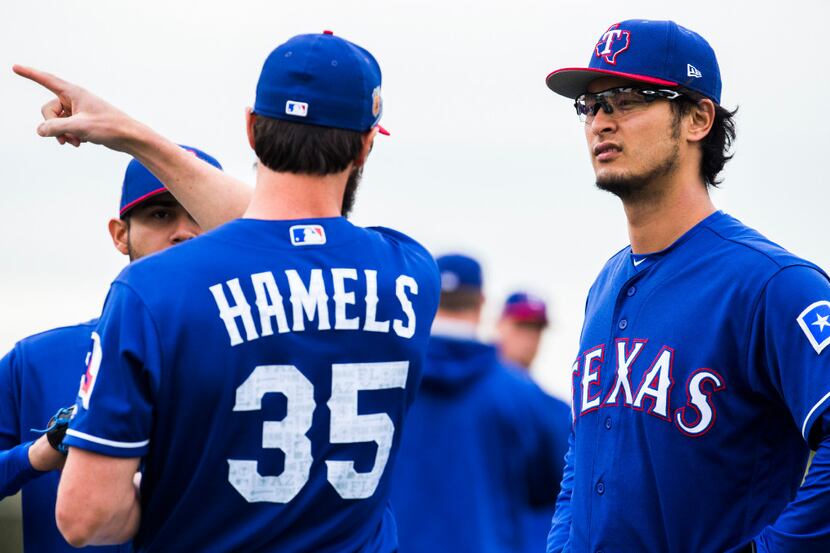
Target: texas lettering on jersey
(309, 299)
(651, 393)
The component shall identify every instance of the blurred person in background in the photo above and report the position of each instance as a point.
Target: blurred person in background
(523, 321)
(41, 373)
(484, 446)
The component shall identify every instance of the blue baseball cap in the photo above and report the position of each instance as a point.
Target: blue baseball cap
(140, 184)
(660, 53)
(527, 308)
(323, 80)
(459, 271)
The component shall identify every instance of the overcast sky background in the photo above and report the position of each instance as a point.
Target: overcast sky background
(483, 158)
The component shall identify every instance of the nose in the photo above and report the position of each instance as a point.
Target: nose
(603, 123)
(185, 230)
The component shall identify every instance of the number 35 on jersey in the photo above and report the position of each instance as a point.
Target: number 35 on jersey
(289, 434)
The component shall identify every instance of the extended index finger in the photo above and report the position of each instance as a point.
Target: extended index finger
(47, 80)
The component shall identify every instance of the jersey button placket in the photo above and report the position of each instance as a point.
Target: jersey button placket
(600, 487)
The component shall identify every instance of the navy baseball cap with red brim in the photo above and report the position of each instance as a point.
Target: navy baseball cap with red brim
(660, 53)
(526, 308)
(140, 184)
(323, 80)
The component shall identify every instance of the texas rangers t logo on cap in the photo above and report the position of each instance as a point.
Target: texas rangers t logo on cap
(613, 42)
(307, 235)
(815, 322)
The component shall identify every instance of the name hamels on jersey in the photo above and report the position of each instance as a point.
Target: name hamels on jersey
(310, 302)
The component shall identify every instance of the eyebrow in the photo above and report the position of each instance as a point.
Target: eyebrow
(158, 202)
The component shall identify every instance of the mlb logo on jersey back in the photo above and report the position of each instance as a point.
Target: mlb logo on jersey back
(815, 322)
(300, 109)
(307, 235)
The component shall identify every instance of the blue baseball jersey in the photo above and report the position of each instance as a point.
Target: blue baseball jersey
(262, 371)
(702, 371)
(37, 377)
(483, 453)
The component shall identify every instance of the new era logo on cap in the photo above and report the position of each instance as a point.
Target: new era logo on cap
(693, 71)
(307, 235)
(298, 109)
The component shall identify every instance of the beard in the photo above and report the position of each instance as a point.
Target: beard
(637, 187)
(350, 193)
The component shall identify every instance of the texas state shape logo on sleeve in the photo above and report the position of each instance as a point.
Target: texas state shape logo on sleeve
(815, 322)
(93, 363)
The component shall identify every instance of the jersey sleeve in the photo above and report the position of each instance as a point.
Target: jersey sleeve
(790, 343)
(9, 400)
(803, 526)
(560, 532)
(15, 469)
(551, 426)
(115, 402)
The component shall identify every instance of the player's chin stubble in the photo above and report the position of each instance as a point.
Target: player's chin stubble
(636, 187)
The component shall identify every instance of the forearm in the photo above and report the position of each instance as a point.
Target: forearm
(104, 488)
(15, 469)
(121, 527)
(110, 527)
(75, 116)
(804, 526)
(210, 195)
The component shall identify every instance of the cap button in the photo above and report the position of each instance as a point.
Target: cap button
(328, 32)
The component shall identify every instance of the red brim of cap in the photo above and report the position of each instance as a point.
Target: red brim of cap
(525, 314)
(143, 198)
(527, 319)
(573, 81)
(382, 131)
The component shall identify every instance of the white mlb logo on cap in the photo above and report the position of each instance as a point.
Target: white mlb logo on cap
(299, 109)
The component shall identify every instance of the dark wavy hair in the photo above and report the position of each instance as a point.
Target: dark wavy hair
(288, 147)
(717, 146)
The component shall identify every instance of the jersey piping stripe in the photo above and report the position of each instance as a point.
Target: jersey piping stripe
(103, 441)
(810, 414)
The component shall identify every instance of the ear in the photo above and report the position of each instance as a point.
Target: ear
(700, 120)
(368, 141)
(120, 233)
(250, 120)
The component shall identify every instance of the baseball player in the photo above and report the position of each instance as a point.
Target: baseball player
(262, 372)
(484, 445)
(523, 320)
(41, 374)
(703, 377)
